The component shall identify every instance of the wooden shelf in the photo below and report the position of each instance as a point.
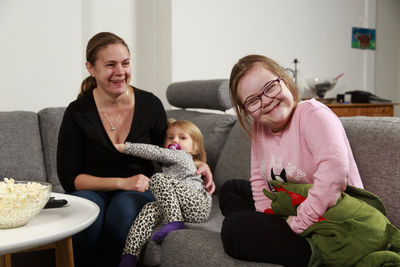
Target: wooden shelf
(363, 109)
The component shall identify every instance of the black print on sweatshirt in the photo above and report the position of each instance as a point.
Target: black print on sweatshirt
(281, 178)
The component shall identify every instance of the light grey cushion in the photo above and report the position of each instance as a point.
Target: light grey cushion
(21, 154)
(214, 127)
(204, 94)
(234, 160)
(375, 143)
(50, 121)
(198, 248)
(152, 253)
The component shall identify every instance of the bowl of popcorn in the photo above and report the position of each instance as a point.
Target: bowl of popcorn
(20, 201)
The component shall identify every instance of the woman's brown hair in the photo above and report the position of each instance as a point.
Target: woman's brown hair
(240, 69)
(95, 44)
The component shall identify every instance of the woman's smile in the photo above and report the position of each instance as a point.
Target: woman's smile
(119, 82)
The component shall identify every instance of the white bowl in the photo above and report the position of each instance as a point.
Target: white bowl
(320, 86)
(20, 201)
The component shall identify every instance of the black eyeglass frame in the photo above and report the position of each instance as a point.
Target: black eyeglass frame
(267, 87)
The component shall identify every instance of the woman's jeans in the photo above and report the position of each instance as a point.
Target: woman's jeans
(101, 244)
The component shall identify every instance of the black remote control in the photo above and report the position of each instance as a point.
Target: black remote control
(55, 203)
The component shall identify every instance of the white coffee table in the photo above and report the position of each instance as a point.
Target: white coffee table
(51, 228)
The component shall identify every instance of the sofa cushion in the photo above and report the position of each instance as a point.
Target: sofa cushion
(152, 252)
(234, 160)
(375, 143)
(21, 155)
(214, 127)
(198, 248)
(50, 121)
(203, 94)
(151, 255)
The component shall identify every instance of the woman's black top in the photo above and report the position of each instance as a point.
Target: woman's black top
(85, 148)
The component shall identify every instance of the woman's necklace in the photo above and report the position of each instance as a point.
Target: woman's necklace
(112, 123)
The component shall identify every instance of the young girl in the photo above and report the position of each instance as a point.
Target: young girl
(179, 192)
(297, 142)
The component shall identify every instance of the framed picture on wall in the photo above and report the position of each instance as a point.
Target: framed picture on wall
(363, 38)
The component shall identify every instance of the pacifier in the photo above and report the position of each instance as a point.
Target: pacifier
(174, 147)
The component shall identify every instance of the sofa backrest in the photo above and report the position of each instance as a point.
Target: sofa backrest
(375, 143)
(204, 95)
(21, 155)
(50, 121)
(234, 159)
(200, 94)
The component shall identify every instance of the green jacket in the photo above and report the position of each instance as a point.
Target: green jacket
(354, 232)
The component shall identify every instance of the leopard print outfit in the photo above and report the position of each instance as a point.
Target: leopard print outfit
(179, 193)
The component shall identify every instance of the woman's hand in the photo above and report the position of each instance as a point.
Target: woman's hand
(137, 182)
(205, 172)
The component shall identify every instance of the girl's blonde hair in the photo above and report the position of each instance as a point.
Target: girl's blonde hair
(199, 154)
(240, 69)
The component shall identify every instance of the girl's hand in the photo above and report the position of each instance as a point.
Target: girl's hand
(205, 172)
(120, 147)
(289, 219)
(137, 182)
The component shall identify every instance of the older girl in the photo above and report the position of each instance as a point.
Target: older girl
(179, 192)
(298, 142)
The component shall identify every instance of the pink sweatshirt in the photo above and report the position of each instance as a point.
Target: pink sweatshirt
(312, 149)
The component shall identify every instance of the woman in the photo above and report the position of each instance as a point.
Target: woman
(109, 111)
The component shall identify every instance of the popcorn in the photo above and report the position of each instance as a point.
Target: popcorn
(9, 186)
(20, 201)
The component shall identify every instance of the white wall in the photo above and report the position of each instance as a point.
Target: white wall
(40, 53)
(43, 43)
(388, 51)
(210, 36)
(43, 46)
(107, 16)
(152, 47)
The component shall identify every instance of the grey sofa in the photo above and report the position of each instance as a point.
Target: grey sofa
(28, 143)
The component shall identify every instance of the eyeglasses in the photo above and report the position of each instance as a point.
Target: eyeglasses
(271, 89)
